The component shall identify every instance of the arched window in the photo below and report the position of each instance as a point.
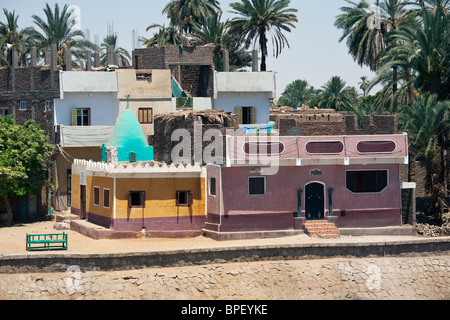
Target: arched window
(263, 148)
(376, 146)
(324, 147)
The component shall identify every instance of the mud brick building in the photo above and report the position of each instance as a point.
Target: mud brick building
(330, 122)
(191, 67)
(27, 93)
(192, 121)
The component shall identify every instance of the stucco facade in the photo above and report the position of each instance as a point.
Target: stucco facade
(355, 180)
(153, 92)
(101, 194)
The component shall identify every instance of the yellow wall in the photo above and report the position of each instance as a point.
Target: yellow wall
(76, 191)
(160, 197)
(102, 183)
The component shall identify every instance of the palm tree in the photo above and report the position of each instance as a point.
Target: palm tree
(336, 95)
(10, 35)
(427, 122)
(111, 40)
(364, 85)
(213, 31)
(423, 46)
(183, 14)
(165, 36)
(297, 94)
(366, 40)
(262, 19)
(57, 28)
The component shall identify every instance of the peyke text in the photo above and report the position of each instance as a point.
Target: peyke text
(234, 309)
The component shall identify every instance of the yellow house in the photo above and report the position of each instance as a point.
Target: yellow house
(159, 199)
(128, 191)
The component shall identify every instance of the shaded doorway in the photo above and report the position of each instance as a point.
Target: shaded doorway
(315, 201)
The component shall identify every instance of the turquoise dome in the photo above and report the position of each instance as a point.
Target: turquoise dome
(129, 138)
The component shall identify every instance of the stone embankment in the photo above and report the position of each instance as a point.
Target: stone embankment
(387, 278)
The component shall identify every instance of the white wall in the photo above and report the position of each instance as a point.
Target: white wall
(104, 107)
(228, 101)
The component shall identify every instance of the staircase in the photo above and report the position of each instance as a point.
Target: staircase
(321, 229)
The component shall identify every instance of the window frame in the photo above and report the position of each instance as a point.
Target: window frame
(96, 203)
(109, 198)
(323, 153)
(149, 110)
(189, 198)
(376, 152)
(22, 105)
(259, 143)
(265, 186)
(368, 170)
(142, 197)
(210, 184)
(88, 110)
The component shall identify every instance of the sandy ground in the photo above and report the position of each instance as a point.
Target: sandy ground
(13, 241)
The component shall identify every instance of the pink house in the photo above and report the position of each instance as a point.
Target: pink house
(279, 183)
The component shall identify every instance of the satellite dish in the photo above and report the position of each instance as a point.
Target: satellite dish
(293, 132)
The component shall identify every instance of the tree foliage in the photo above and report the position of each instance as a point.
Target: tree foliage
(258, 21)
(25, 157)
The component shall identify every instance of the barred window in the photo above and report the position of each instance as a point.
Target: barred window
(367, 181)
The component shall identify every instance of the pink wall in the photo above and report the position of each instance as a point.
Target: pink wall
(281, 194)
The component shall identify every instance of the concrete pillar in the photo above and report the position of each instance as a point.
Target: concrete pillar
(14, 65)
(53, 55)
(88, 57)
(110, 55)
(117, 60)
(96, 59)
(255, 61)
(226, 61)
(47, 58)
(68, 59)
(33, 53)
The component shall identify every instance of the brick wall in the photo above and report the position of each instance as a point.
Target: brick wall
(27, 79)
(192, 67)
(165, 125)
(329, 122)
(34, 87)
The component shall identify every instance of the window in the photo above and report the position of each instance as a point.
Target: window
(106, 198)
(263, 148)
(324, 147)
(184, 198)
(256, 185)
(376, 146)
(48, 106)
(246, 115)
(136, 199)
(212, 186)
(23, 106)
(367, 181)
(4, 112)
(96, 196)
(81, 117)
(145, 115)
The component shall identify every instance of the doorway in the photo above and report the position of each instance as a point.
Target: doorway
(247, 115)
(82, 202)
(315, 201)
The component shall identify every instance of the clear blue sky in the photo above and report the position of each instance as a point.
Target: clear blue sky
(315, 54)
